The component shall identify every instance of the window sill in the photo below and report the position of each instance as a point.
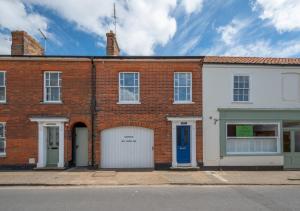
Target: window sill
(2, 155)
(58, 102)
(3, 102)
(241, 102)
(183, 102)
(124, 103)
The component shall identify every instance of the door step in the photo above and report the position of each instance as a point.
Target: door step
(49, 169)
(185, 168)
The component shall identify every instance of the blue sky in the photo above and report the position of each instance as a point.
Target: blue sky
(158, 27)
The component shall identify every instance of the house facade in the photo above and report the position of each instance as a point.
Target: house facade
(251, 112)
(109, 112)
(155, 112)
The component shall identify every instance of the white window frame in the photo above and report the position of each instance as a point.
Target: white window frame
(3, 154)
(139, 85)
(4, 101)
(249, 89)
(278, 138)
(45, 88)
(191, 89)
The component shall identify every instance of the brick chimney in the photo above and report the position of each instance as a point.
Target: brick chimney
(112, 47)
(23, 44)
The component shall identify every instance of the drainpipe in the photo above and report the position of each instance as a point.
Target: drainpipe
(93, 107)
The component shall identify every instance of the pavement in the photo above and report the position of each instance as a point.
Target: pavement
(151, 198)
(75, 177)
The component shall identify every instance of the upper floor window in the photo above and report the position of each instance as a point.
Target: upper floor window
(241, 88)
(52, 87)
(2, 139)
(129, 87)
(182, 87)
(2, 87)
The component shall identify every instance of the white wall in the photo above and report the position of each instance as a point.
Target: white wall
(265, 92)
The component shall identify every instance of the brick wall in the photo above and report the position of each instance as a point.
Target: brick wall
(156, 96)
(24, 44)
(24, 100)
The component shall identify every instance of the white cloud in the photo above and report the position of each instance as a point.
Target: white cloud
(230, 32)
(266, 49)
(142, 24)
(232, 41)
(4, 44)
(191, 6)
(14, 16)
(283, 14)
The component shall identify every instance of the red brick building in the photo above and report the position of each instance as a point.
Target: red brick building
(110, 111)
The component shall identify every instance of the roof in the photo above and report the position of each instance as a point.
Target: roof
(251, 60)
(103, 57)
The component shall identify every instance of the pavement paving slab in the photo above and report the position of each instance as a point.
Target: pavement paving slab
(98, 177)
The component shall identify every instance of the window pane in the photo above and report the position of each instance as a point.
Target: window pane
(2, 146)
(259, 130)
(54, 79)
(1, 130)
(2, 83)
(127, 94)
(176, 94)
(241, 88)
(259, 145)
(182, 79)
(182, 94)
(2, 93)
(128, 79)
(54, 94)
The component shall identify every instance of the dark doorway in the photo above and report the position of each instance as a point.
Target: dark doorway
(79, 145)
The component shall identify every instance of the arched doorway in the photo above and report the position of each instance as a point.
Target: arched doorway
(80, 145)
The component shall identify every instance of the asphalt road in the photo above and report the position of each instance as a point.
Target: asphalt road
(181, 198)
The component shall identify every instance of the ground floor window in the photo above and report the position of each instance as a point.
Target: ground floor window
(2, 138)
(252, 138)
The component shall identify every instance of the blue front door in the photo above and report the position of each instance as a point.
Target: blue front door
(183, 144)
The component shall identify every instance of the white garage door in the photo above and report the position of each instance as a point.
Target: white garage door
(127, 147)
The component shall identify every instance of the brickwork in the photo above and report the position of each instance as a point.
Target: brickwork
(156, 96)
(25, 99)
(24, 44)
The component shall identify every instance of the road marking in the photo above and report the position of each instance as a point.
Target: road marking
(215, 174)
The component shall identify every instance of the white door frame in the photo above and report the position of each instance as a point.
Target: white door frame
(43, 123)
(184, 121)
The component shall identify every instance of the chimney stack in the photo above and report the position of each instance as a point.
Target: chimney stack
(23, 44)
(112, 47)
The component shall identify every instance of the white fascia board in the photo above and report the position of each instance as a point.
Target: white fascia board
(192, 118)
(49, 119)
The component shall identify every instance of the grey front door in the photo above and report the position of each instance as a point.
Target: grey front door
(52, 138)
(81, 146)
(291, 149)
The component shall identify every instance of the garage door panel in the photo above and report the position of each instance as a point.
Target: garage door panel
(127, 147)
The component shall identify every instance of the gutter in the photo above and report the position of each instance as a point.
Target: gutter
(93, 107)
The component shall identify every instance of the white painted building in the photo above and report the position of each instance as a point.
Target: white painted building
(251, 113)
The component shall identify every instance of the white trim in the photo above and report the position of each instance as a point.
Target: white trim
(182, 119)
(5, 88)
(139, 87)
(251, 66)
(183, 102)
(188, 121)
(60, 88)
(278, 137)
(191, 89)
(249, 101)
(49, 119)
(43, 123)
